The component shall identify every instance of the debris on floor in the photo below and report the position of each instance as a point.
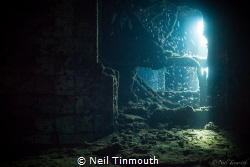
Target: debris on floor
(171, 147)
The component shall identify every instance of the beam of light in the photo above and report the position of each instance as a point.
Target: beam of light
(204, 70)
(200, 27)
(202, 39)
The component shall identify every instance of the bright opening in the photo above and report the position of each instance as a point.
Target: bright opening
(181, 83)
(204, 70)
(200, 27)
(202, 45)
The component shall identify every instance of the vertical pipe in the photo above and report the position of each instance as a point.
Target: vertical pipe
(97, 31)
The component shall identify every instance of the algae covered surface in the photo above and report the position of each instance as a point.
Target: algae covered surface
(181, 147)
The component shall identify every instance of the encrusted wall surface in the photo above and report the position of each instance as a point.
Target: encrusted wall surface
(52, 90)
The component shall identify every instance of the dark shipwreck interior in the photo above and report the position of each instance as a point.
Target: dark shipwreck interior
(125, 82)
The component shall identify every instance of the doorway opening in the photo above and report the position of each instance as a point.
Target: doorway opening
(183, 79)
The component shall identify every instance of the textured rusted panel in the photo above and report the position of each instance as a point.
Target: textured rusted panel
(64, 124)
(64, 85)
(85, 85)
(64, 26)
(104, 105)
(64, 8)
(64, 64)
(84, 105)
(64, 105)
(44, 124)
(84, 123)
(53, 89)
(64, 45)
